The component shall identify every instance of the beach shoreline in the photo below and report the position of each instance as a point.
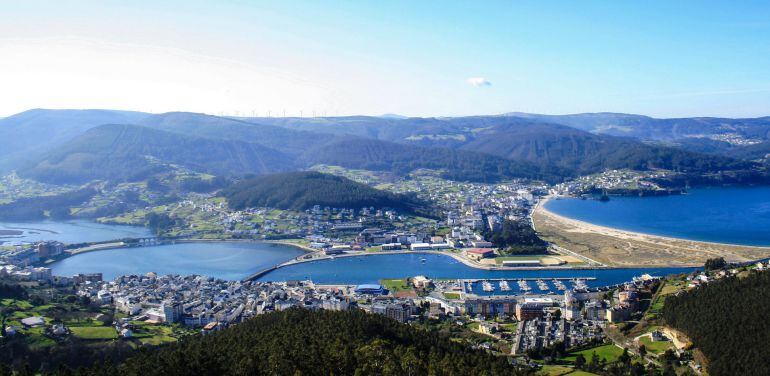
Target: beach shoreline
(577, 236)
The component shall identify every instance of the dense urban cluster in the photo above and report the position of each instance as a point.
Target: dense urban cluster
(21, 262)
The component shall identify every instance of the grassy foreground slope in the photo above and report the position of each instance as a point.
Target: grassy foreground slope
(300, 342)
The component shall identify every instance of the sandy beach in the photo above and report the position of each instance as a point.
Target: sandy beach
(615, 247)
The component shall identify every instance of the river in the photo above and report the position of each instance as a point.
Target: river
(75, 231)
(721, 215)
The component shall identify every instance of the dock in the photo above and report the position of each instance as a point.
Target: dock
(528, 279)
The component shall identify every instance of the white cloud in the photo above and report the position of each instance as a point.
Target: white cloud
(478, 81)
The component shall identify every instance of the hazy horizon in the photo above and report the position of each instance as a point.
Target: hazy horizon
(384, 115)
(427, 59)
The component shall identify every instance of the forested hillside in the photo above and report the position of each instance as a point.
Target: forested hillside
(473, 148)
(29, 133)
(130, 152)
(35, 208)
(583, 153)
(728, 321)
(555, 149)
(302, 190)
(401, 159)
(300, 342)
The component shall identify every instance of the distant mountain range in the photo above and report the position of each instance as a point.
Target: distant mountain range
(76, 146)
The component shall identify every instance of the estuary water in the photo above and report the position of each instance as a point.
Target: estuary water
(722, 215)
(370, 269)
(236, 261)
(76, 231)
(225, 260)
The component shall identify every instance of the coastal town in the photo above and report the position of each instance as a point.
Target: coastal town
(520, 322)
(536, 321)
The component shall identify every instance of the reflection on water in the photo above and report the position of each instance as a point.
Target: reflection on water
(370, 269)
(77, 231)
(723, 215)
(225, 260)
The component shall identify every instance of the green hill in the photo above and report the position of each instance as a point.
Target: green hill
(727, 321)
(31, 132)
(130, 152)
(300, 342)
(399, 158)
(556, 149)
(302, 190)
(581, 152)
(475, 148)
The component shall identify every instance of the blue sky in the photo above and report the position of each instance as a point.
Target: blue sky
(664, 59)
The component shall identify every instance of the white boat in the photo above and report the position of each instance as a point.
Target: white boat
(524, 286)
(486, 286)
(542, 285)
(579, 284)
(559, 285)
(504, 286)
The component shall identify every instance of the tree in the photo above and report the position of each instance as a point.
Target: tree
(159, 223)
(594, 365)
(580, 361)
(516, 237)
(715, 263)
(625, 358)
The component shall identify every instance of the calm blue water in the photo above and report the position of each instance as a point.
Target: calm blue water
(724, 215)
(370, 269)
(77, 231)
(225, 260)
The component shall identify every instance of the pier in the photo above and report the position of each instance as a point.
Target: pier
(529, 279)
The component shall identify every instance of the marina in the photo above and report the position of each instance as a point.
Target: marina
(503, 286)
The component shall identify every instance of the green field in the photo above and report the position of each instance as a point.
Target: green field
(670, 287)
(396, 285)
(552, 370)
(94, 332)
(610, 353)
(82, 323)
(555, 370)
(655, 347)
(452, 295)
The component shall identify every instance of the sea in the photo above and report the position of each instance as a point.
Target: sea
(723, 215)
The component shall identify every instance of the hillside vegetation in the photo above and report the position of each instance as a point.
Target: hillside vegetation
(456, 164)
(302, 190)
(474, 148)
(131, 153)
(728, 321)
(300, 342)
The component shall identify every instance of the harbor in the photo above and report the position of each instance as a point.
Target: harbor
(502, 286)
